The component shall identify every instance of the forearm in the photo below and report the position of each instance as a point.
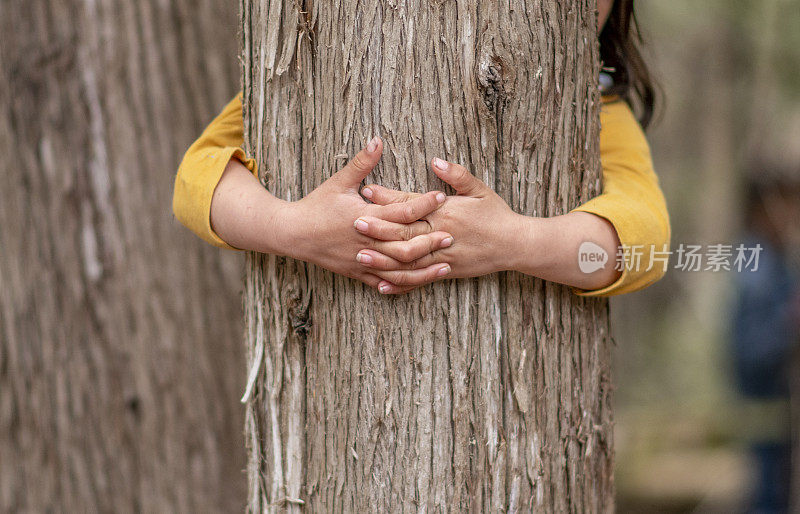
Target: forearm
(548, 248)
(245, 215)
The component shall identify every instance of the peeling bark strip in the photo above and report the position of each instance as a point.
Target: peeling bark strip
(468, 396)
(119, 331)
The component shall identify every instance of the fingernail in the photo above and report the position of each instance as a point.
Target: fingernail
(361, 225)
(373, 144)
(364, 258)
(441, 164)
(447, 241)
(384, 288)
(441, 197)
(444, 271)
(367, 193)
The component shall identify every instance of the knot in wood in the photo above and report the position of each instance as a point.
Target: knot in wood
(490, 81)
(299, 316)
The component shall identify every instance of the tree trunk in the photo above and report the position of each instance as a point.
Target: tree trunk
(120, 338)
(468, 395)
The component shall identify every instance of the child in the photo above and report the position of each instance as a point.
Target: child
(403, 240)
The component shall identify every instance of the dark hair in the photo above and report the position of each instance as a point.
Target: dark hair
(622, 59)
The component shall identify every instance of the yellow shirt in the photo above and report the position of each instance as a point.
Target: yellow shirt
(631, 200)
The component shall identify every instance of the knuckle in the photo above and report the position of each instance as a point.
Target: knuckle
(359, 163)
(384, 264)
(432, 242)
(430, 203)
(400, 278)
(374, 228)
(417, 264)
(405, 254)
(421, 250)
(408, 212)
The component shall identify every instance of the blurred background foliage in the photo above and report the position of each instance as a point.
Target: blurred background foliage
(730, 74)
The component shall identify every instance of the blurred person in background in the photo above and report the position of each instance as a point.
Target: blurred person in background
(766, 330)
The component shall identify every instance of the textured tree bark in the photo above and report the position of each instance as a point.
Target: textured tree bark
(120, 353)
(469, 395)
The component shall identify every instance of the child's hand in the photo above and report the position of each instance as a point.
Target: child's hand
(319, 228)
(482, 224)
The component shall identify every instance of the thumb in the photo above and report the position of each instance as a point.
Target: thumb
(357, 169)
(464, 182)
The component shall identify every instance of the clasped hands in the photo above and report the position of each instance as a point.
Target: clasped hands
(403, 240)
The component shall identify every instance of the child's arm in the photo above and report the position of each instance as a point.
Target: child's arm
(632, 201)
(218, 196)
(490, 237)
(202, 169)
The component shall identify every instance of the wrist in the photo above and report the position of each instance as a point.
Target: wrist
(279, 224)
(526, 244)
(512, 244)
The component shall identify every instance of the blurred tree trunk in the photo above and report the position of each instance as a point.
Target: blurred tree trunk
(120, 354)
(794, 377)
(470, 395)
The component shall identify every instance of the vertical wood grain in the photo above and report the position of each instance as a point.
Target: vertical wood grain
(120, 351)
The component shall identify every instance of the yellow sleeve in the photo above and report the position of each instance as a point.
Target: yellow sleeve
(202, 167)
(631, 200)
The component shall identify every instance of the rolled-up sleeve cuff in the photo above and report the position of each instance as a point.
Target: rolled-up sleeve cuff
(631, 279)
(194, 192)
